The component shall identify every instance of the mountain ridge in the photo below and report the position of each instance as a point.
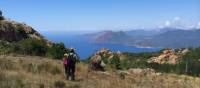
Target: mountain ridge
(165, 37)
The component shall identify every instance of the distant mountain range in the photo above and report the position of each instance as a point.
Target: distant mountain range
(177, 39)
(165, 37)
(109, 37)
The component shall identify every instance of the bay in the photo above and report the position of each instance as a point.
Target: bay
(85, 48)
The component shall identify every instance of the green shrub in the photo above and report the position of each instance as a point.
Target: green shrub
(2, 18)
(191, 62)
(4, 47)
(33, 47)
(115, 62)
(56, 51)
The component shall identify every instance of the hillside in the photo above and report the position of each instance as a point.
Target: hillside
(19, 38)
(142, 33)
(14, 31)
(39, 72)
(177, 39)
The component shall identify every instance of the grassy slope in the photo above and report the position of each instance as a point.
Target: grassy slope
(39, 72)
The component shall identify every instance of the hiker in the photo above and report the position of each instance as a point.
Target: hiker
(71, 64)
(65, 63)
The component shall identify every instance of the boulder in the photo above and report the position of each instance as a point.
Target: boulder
(101, 59)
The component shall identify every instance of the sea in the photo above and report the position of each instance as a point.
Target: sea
(86, 48)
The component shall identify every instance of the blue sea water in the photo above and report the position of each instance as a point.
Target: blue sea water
(84, 48)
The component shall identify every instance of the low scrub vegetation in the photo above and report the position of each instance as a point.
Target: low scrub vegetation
(33, 47)
(189, 63)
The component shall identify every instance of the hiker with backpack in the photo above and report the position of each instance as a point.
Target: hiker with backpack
(72, 59)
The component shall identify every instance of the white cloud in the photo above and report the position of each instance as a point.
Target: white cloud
(167, 24)
(179, 23)
(198, 25)
(176, 22)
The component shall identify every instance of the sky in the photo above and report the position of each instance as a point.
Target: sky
(95, 15)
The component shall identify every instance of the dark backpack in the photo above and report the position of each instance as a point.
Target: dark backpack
(71, 59)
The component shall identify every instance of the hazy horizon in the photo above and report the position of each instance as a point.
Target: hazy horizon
(98, 15)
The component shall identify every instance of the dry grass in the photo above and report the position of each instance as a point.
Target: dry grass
(39, 72)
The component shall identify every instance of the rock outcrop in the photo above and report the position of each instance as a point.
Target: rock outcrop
(102, 58)
(168, 56)
(12, 31)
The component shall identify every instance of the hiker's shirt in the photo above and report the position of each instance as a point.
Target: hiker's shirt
(65, 61)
